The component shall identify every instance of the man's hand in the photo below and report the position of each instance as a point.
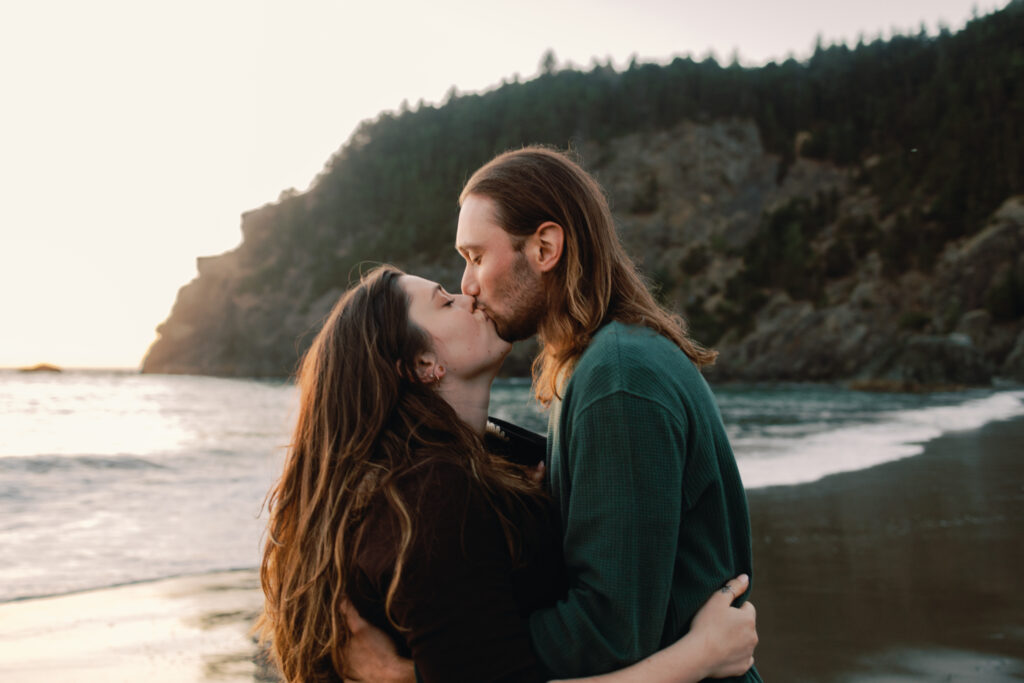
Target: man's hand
(370, 655)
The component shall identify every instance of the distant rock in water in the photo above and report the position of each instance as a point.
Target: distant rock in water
(42, 367)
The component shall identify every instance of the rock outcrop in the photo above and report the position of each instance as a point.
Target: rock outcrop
(912, 328)
(1013, 366)
(692, 204)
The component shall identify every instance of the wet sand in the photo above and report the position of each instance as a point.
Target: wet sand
(904, 572)
(171, 631)
(909, 571)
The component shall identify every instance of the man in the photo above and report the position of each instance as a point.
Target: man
(653, 510)
(654, 515)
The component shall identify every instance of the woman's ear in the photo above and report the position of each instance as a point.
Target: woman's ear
(546, 246)
(428, 370)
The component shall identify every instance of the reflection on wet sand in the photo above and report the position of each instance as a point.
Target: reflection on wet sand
(184, 629)
(899, 572)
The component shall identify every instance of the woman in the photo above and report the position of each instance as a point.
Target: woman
(389, 499)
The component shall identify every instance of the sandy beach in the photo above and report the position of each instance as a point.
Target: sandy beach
(902, 572)
(176, 630)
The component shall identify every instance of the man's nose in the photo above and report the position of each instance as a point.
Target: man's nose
(469, 284)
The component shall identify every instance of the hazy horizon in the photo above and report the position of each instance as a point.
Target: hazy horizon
(135, 137)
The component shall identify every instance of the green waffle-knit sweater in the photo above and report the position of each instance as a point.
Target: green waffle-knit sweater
(654, 516)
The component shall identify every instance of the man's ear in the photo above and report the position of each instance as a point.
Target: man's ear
(428, 370)
(545, 246)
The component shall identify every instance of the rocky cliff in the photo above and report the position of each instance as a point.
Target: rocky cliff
(789, 267)
(697, 204)
(857, 216)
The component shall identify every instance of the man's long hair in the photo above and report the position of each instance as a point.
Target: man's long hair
(364, 422)
(594, 282)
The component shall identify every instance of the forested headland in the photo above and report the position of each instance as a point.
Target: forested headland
(858, 215)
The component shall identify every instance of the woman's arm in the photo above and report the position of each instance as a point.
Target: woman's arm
(720, 644)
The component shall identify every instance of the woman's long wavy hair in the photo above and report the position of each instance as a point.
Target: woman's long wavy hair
(594, 282)
(364, 421)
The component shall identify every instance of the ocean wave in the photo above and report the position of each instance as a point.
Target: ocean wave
(772, 460)
(43, 464)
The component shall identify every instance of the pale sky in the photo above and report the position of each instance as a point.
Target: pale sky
(134, 133)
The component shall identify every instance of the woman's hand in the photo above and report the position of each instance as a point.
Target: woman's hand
(720, 644)
(728, 634)
(369, 653)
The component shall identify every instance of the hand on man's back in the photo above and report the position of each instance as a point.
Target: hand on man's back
(370, 655)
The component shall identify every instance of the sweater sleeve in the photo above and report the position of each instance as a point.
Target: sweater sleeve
(621, 527)
(455, 598)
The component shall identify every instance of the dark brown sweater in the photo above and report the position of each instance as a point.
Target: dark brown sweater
(462, 599)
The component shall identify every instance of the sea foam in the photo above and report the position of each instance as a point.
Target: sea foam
(772, 458)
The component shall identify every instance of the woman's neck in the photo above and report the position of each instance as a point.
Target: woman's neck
(470, 399)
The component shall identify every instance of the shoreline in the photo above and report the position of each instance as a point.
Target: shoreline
(127, 584)
(905, 571)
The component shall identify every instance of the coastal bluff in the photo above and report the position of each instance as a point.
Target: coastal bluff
(857, 217)
(690, 203)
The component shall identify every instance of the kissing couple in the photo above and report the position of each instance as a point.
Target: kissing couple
(412, 538)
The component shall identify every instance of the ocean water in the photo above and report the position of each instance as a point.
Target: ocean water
(112, 477)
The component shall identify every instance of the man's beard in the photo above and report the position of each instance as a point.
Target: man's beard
(525, 301)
